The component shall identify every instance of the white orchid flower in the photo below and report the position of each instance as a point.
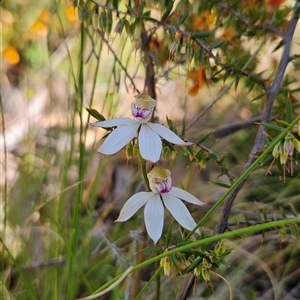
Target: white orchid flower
(162, 195)
(149, 134)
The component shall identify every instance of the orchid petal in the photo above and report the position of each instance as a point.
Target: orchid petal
(179, 211)
(167, 134)
(184, 195)
(118, 138)
(150, 144)
(133, 204)
(154, 217)
(114, 122)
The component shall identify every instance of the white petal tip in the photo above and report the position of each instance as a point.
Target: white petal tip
(104, 153)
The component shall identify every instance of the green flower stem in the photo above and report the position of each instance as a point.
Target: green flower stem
(244, 175)
(140, 245)
(30, 289)
(226, 235)
(148, 284)
(74, 234)
(144, 172)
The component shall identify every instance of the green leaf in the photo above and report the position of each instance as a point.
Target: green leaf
(170, 145)
(168, 11)
(282, 213)
(94, 113)
(295, 232)
(128, 27)
(183, 17)
(183, 128)
(203, 138)
(174, 261)
(120, 26)
(283, 123)
(272, 127)
(258, 97)
(223, 185)
(218, 44)
(278, 46)
(115, 4)
(289, 112)
(103, 20)
(109, 22)
(195, 264)
(183, 243)
(214, 155)
(168, 235)
(151, 250)
(294, 212)
(236, 81)
(201, 34)
(146, 15)
(179, 237)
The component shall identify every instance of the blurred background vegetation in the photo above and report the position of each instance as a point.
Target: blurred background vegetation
(209, 64)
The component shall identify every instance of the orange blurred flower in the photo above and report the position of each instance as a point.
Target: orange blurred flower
(205, 21)
(45, 16)
(199, 79)
(72, 13)
(11, 55)
(229, 34)
(39, 28)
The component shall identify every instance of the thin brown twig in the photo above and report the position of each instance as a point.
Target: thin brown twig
(294, 57)
(38, 265)
(258, 144)
(199, 42)
(198, 117)
(226, 7)
(117, 59)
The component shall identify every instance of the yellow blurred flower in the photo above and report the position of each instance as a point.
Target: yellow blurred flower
(39, 28)
(72, 13)
(11, 55)
(45, 16)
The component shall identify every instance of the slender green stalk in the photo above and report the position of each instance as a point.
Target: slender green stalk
(31, 293)
(79, 191)
(155, 276)
(158, 282)
(144, 172)
(244, 175)
(4, 160)
(226, 235)
(140, 244)
(230, 234)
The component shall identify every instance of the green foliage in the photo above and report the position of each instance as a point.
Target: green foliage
(211, 65)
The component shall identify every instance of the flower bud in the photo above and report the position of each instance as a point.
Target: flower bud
(165, 262)
(205, 270)
(288, 145)
(296, 128)
(296, 144)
